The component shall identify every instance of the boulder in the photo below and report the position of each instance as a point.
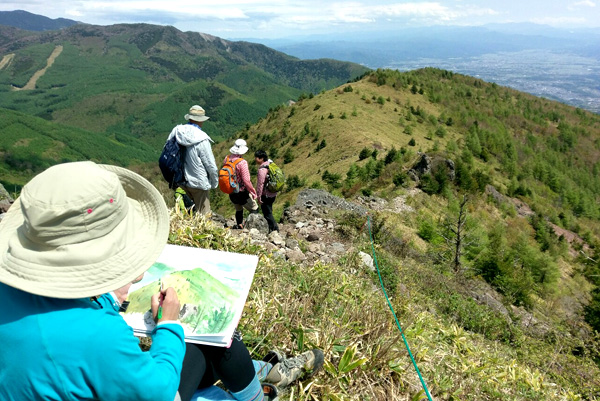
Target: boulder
(257, 221)
(313, 237)
(292, 243)
(4, 195)
(295, 255)
(429, 164)
(367, 260)
(4, 206)
(275, 238)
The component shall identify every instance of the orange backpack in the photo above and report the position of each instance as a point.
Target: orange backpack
(227, 178)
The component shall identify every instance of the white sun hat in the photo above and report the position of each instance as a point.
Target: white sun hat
(196, 113)
(82, 229)
(239, 147)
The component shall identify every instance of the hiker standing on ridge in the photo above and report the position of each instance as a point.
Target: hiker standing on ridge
(245, 197)
(264, 196)
(201, 171)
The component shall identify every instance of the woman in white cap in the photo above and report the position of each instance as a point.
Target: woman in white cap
(245, 198)
(59, 340)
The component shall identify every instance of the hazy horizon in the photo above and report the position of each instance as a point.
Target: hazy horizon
(231, 19)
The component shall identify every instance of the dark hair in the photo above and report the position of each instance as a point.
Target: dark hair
(261, 154)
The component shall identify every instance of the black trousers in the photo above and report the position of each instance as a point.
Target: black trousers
(266, 205)
(203, 365)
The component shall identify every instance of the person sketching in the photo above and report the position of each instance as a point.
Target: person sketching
(59, 249)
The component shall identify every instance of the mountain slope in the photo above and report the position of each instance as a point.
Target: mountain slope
(31, 144)
(483, 211)
(516, 139)
(526, 168)
(142, 78)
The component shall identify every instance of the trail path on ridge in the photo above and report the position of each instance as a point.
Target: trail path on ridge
(34, 78)
(6, 60)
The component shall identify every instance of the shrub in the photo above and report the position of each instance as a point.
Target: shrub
(321, 145)
(427, 230)
(288, 156)
(293, 182)
(391, 155)
(400, 178)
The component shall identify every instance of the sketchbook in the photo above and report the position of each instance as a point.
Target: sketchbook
(212, 287)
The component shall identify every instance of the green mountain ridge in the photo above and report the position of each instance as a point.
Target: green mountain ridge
(140, 79)
(507, 150)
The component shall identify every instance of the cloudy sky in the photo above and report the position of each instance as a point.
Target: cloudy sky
(277, 19)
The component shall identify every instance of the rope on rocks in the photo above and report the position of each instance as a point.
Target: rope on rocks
(394, 313)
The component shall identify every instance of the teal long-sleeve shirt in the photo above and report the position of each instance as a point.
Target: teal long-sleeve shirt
(79, 349)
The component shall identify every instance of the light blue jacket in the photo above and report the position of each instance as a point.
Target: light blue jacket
(200, 167)
(79, 349)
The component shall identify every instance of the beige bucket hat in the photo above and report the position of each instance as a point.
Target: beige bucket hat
(82, 229)
(196, 113)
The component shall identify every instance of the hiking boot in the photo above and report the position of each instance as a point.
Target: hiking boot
(273, 357)
(288, 370)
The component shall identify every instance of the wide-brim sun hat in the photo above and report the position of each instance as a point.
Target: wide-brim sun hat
(239, 147)
(196, 113)
(82, 229)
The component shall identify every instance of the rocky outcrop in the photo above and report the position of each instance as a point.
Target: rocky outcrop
(430, 164)
(5, 201)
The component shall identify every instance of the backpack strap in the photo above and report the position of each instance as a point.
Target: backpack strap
(234, 164)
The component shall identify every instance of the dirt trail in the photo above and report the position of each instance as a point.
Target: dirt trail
(6, 60)
(34, 78)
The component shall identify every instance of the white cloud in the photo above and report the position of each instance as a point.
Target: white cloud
(585, 3)
(276, 17)
(221, 10)
(581, 5)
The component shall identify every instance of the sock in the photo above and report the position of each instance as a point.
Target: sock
(252, 392)
(239, 217)
(262, 369)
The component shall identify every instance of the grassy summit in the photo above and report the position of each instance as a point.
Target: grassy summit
(528, 170)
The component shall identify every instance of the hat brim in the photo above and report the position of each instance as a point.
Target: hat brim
(147, 225)
(238, 150)
(196, 118)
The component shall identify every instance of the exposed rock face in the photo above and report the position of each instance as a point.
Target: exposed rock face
(311, 198)
(4, 195)
(5, 201)
(429, 164)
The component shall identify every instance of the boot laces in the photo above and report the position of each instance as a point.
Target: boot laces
(288, 364)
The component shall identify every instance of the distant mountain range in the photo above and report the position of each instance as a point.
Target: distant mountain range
(545, 61)
(33, 22)
(128, 83)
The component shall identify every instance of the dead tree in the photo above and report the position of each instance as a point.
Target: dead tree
(457, 233)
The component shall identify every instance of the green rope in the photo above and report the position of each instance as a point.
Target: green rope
(394, 313)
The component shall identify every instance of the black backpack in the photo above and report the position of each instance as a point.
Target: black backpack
(171, 163)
